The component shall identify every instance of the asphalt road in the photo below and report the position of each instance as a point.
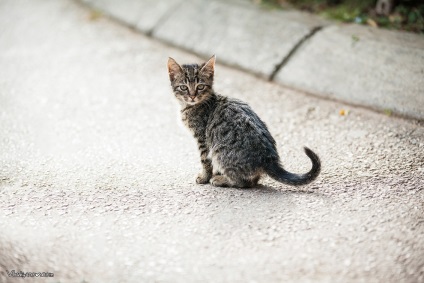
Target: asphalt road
(97, 178)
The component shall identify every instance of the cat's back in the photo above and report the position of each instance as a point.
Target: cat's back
(234, 122)
(236, 113)
(231, 108)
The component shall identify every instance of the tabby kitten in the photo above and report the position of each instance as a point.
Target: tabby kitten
(235, 146)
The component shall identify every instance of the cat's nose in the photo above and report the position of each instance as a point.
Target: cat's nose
(192, 97)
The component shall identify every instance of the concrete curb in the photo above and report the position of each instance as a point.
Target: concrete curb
(380, 69)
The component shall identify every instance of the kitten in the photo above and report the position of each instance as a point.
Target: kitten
(235, 146)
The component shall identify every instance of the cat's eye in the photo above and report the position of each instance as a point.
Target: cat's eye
(201, 87)
(183, 87)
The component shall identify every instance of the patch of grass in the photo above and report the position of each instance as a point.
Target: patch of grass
(388, 112)
(342, 13)
(407, 15)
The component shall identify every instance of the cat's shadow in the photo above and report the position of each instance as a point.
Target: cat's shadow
(233, 204)
(280, 191)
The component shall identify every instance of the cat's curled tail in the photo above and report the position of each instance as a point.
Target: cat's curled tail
(275, 171)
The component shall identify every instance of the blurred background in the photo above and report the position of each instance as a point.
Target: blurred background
(405, 15)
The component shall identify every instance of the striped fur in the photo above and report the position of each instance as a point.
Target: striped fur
(235, 146)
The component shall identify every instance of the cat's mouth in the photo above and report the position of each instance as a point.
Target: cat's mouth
(192, 100)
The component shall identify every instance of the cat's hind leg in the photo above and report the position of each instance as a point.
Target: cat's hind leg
(233, 180)
(220, 181)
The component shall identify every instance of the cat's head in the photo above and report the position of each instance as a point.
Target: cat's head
(191, 83)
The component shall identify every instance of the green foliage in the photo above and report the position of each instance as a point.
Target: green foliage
(407, 15)
(342, 13)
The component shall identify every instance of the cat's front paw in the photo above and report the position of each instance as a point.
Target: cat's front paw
(203, 178)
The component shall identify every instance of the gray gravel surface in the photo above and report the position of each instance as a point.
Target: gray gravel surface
(97, 179)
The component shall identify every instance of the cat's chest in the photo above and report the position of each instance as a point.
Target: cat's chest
(194, 121)
(186, 119)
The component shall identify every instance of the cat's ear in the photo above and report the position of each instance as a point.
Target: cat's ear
(209, 67)
(173, 69)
